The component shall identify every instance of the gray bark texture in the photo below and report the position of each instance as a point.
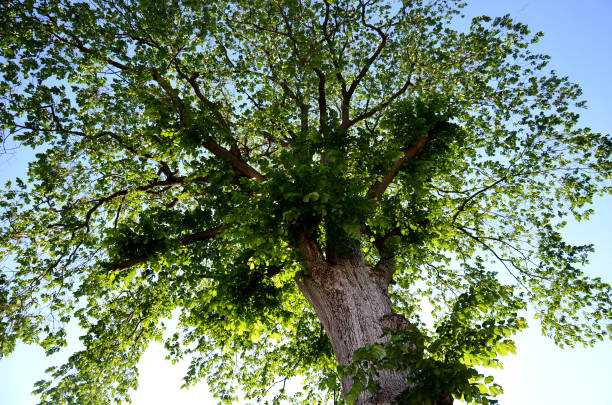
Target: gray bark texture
(352, 302)
(351, 299)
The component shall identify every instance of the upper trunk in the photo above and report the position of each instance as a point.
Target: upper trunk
(352, 302)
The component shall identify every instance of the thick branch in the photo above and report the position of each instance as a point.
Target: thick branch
(232, 157)
(129, 263)
(378, 188)
(322, 101)
(238, 164)
(201, 236)
(187, 240)
(386, 264)
(381, 243)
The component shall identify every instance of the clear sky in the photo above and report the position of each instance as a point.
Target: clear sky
(578, 36)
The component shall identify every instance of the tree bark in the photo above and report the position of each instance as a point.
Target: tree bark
(352, 302)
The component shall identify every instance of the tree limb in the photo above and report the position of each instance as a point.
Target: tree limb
(196, 88)
(367, 114)
(348, 94)
(187, 240)
(122, 193)
(476, 194)
(232, 157)
(322, 101)
(238, 164)
(76, 41)
(378, 188)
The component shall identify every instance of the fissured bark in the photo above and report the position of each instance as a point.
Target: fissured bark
(352, 302)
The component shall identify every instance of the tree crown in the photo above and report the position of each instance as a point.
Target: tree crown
(185, 147)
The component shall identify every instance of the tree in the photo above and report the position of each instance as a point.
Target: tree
(295, 179)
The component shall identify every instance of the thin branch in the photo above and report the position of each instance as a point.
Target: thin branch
(494, 253)
(123, 193)
(367, 114)
(346, 98)
(476, 194)
(76, 41)
(196, 88)
(335, 62)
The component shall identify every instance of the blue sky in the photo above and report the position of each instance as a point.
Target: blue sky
(578, 36)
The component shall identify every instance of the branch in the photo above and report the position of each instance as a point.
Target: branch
(291, 36)
(322, 101)
(129, 263)
(187, 240)
(238, 164)
(497, 256)
(201, 236)
(367, 114)
(378, 188)
(122, 193)
(76, 42)
(386, 263)
(232, 157)
(122, 142)
(476, 194)
(134, 17)
(381, 243)
(269, 77)
(330, 44)
(346, 97)
(196, 88)
(177, 102)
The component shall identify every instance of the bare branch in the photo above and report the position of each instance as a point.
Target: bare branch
(497, 256)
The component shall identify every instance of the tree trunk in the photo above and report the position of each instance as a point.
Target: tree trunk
(352, 302)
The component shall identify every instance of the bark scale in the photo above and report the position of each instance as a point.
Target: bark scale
(352, 302)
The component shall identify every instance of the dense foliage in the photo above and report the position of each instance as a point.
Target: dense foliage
(183, 146)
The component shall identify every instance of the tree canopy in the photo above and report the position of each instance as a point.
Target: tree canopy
(204, 159)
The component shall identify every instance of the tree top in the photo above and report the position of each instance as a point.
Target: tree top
(188, 152)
